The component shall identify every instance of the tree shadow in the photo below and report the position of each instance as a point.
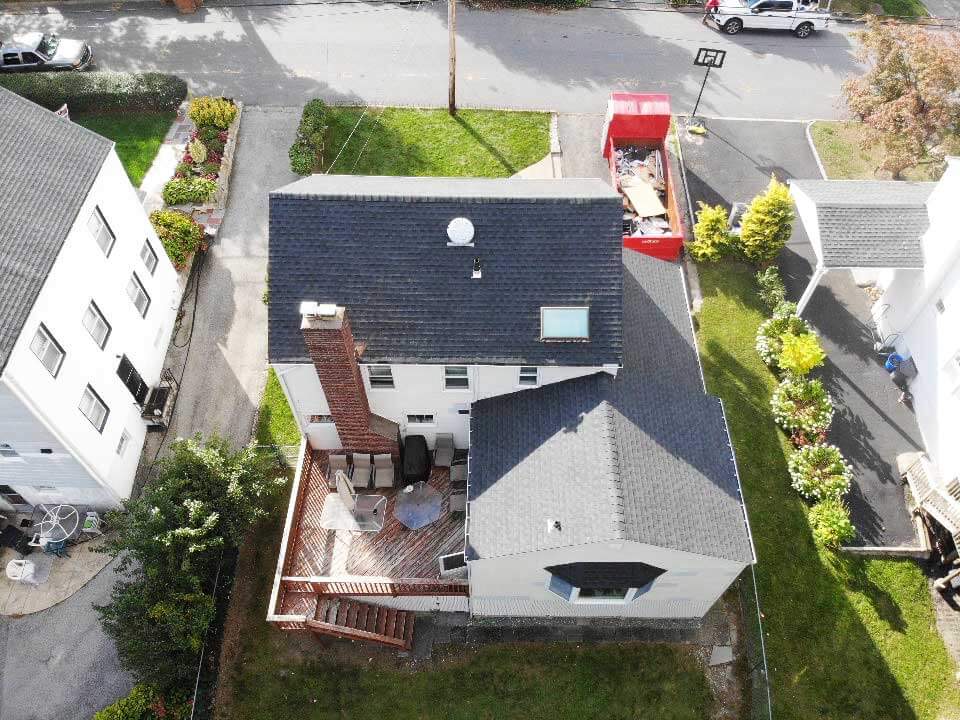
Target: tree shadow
(482, 141)
(854, 571)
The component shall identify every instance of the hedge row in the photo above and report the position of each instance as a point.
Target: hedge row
(99, 91)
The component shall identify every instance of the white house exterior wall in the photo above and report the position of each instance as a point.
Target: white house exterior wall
(907, 310)
(516, 585)
(418, 389)
(80, 274)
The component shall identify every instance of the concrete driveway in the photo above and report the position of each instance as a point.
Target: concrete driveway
(733, 164)
(58, 664)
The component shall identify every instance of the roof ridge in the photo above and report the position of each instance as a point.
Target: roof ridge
(617, 500)
(38, 106)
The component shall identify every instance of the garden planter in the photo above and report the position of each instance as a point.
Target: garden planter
(187, 6)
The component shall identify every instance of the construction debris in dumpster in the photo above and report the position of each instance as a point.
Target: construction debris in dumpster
(640, 172)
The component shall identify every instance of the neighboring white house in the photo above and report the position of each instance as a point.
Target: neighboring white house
(88, 300)
(600, 480)
(904, 237)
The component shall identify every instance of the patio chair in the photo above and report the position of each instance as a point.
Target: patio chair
(335, 464)
(383, 475)
(458, 474)
(362, 471)
(458, 501)
(368, 510)
(444, 450)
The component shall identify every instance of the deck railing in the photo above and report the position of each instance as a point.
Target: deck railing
(382, 586)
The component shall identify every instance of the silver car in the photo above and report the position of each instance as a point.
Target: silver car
(43, 51)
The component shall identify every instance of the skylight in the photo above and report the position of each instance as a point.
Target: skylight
(565, 323)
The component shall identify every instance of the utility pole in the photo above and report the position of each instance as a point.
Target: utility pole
(452, 84)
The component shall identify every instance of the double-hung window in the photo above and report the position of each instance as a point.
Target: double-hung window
(529, 376)
(96, 325)
(138, 295)
(381, 376)
(420, 419)
(148, 256)
(100, 231)
(47, 350)
(94, 409)
(123, 442)
(456, 377)
(565, 323)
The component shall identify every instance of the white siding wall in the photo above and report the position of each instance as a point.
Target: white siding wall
(931, 337)
(82, 273)
(516, 585)
(417, 389)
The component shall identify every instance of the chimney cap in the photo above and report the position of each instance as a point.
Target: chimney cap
(309, 308)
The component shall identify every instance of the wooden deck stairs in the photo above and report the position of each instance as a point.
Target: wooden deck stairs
(352, 620)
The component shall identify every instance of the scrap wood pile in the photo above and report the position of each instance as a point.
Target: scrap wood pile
(641, 175)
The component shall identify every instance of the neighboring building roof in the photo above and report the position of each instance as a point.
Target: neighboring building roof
(644, 457)
(870, 223)
(379, 247)
(47, 167)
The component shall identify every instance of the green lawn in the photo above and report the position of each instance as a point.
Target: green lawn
(841, 151)
(846, 637)
(897, 8)
(138, 137)
(275, 422)
(477, 143)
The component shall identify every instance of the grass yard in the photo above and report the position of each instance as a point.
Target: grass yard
(476, 143)
(275, 422)
(896, 8)
(138, 137)
(844, 157)
(846, 637)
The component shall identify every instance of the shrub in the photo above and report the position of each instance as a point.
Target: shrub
(799, 354)
(802, 407)
(183, 170)
(198, 151)
(145, 703)
(215, 145)
(770, 335)
(711, 233)
(208, 134)
(214, 112)
(819, 472)
(99, 91)
(210, 168)
(830, 521)
(180, 191)
(767, 223)
(306, 153)
(772, 292)
(180, 235)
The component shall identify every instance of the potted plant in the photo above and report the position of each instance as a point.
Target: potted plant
(187, 7)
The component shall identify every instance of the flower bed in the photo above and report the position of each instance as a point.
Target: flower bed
(803, 408)
(196, 180)
(819, 472)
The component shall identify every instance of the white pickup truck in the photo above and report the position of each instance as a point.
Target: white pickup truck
(802, 18)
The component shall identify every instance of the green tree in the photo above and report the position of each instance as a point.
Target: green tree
(909, 96)
(711, 233)
(767, 223)
(169, 542)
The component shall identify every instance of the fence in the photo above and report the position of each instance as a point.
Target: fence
(760, 705)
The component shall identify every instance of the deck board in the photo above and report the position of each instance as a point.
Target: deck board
(395, 551)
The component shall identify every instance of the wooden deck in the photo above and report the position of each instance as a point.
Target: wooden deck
(394, 552)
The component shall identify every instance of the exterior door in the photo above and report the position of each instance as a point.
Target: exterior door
(780, 15)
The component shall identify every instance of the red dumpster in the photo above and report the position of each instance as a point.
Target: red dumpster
(634, 144)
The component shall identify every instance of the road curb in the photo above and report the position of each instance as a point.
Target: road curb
(813, 149)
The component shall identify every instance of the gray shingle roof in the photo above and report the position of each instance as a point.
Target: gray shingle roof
(870, 223)
(378, 246)
(47, 166)
(643, 457)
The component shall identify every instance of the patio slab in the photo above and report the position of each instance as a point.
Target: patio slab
(734, 163)
(60, 578)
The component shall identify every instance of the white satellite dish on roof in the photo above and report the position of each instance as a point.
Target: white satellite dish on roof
(460, 231)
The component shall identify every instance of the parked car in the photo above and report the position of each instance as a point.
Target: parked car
(802, 18)
(43, 51)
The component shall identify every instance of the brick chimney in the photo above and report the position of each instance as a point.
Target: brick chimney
(329, 340)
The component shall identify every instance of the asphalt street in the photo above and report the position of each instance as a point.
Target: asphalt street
(280, 55)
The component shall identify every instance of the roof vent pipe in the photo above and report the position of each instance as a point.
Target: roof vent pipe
(460, 232)
(477, 272)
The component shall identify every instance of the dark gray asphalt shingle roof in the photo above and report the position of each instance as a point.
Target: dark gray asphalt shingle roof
(47, 167)
(643, 457)
(378, 246)
(870, 223)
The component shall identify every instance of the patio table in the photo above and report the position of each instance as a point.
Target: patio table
(418, 505)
